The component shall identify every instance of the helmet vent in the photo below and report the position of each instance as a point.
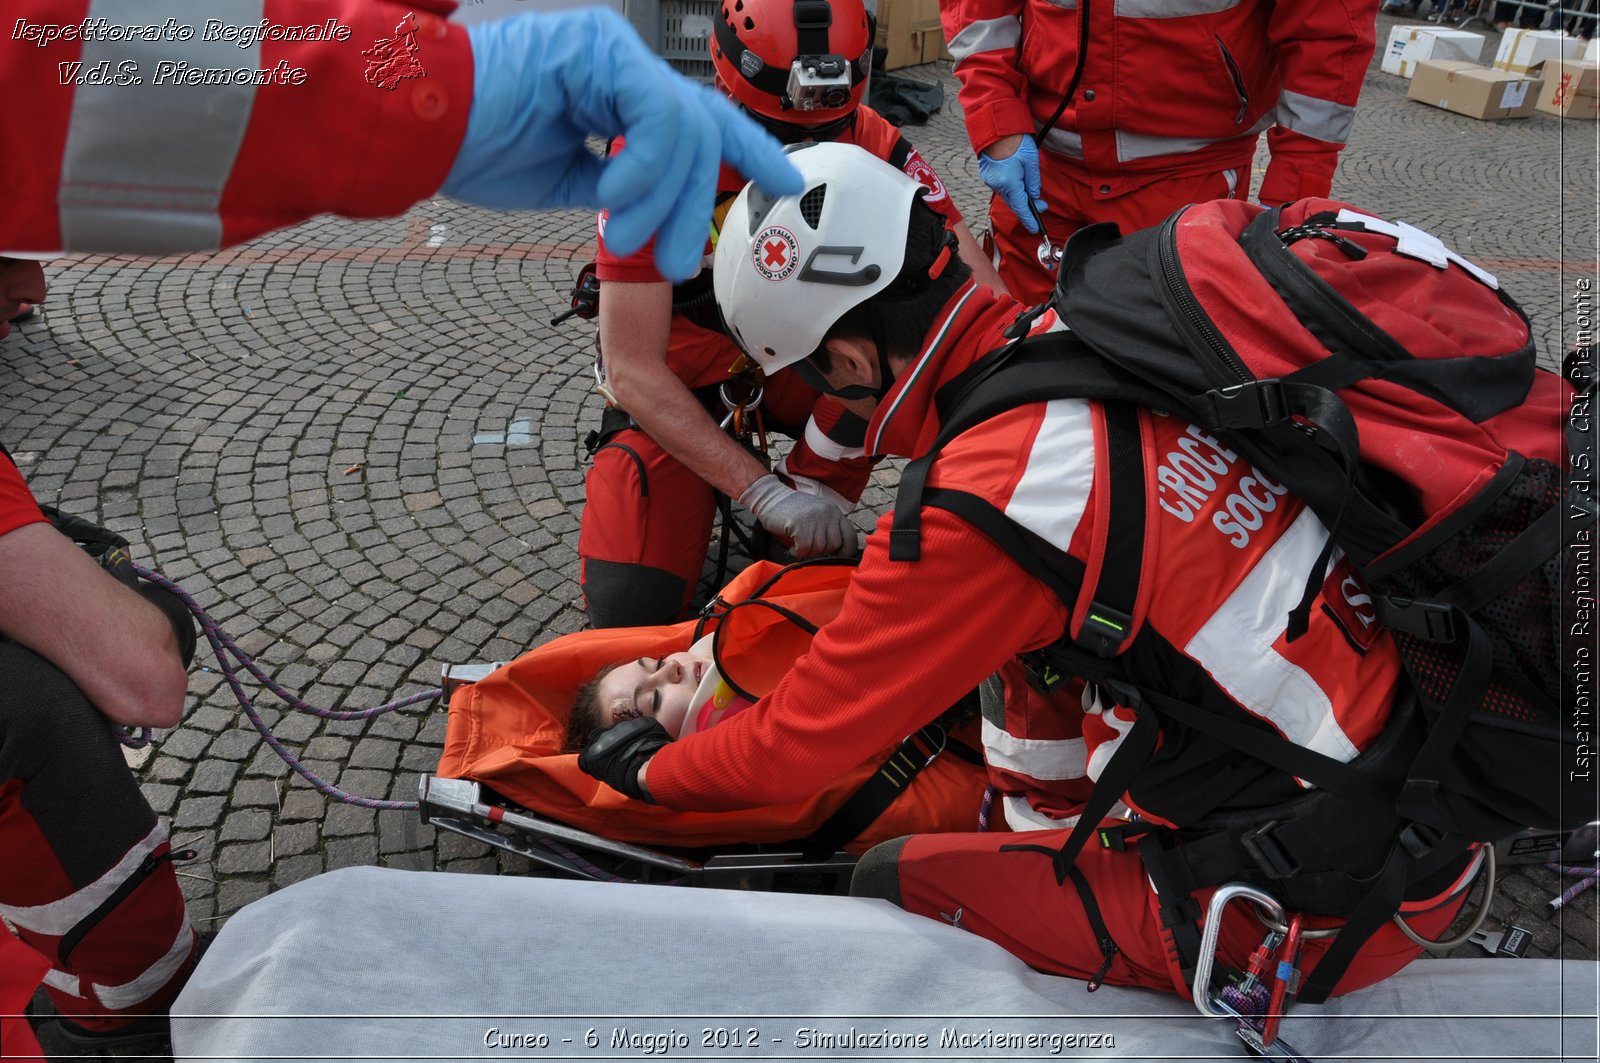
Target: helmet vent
(811, 205)
(749, 23)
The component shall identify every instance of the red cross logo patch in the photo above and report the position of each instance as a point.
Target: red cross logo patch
(776, 253)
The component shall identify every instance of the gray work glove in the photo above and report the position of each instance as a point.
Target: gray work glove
(814, 525)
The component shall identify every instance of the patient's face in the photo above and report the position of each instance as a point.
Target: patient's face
(661, 687)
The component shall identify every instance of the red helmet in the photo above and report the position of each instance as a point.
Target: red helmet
(794, 62)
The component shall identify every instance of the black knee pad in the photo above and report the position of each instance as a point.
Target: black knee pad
(65, 753)
(617, 594)
(877, 873)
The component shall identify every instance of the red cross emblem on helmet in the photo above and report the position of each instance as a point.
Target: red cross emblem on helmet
(776, 253)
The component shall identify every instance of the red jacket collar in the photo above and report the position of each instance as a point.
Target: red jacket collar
(968, 327)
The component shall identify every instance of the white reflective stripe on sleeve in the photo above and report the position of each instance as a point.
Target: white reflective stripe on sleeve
(1171, 8)
(150, 981)
(63, 982)
(825, 448)
(1320, 119)
(1132, 146)
(1045, 759)
(1054, 489)
(59, 916)
(1020, 815)
(145, 164)
(986, 35)
(1235, 645)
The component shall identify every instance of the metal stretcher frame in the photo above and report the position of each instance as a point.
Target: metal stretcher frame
(471, 809)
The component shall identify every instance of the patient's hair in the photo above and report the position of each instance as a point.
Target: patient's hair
(586, 714)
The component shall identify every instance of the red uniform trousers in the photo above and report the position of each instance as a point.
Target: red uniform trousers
(1073, 204)
(1013, 900)
(647, 518)
(87, 879)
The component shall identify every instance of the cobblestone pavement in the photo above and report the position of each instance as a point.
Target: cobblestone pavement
(358, 445)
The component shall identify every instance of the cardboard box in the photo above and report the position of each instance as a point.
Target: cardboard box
(1571, 88)
(1474, 91)
(1522, 50)
(1591, 54)
(910, 30)
(1410, 45)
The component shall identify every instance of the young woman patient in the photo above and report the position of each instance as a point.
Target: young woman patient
(683, 691)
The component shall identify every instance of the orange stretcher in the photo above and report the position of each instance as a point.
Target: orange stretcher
(502, 779)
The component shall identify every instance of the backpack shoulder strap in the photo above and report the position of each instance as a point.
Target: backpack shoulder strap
(1053, 365)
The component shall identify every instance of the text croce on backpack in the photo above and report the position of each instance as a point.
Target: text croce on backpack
(1391, 385)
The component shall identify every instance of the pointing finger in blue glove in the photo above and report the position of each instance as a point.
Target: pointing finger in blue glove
(544, 82)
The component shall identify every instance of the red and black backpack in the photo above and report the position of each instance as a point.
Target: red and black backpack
(1391, 385)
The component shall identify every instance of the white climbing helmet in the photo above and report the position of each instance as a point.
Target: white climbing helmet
(788, 269)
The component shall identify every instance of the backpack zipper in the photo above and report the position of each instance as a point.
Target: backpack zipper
(1200, 327)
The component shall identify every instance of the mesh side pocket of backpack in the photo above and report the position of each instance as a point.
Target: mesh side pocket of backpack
(1521, 623)
(1509, 756)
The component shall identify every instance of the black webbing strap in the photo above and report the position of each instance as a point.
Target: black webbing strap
(1478, 387)
(1419, 798)
(1108, 623)
(1377, 908)
(1533, 547)
(862, 808)
(1054, 365)
(1453, 523)
(1180, 912)
(1266, 745)
(1115, 778)
(811, 21)
(1053, 567)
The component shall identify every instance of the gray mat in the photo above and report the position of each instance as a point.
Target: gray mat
(366, 963)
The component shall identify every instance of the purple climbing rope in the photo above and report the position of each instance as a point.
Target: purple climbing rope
(230, 658)
(986, 807)
(1587, 877)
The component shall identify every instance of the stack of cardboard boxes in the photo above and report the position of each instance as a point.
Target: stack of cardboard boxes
(910, 30)
(1532, 70)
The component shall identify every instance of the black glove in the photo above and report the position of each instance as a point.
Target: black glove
(177, 615)
(614, 756)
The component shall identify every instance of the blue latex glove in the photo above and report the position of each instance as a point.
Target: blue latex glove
(543, 82)
(1016, 179)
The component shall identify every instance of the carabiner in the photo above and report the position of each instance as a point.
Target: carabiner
(1205, 965)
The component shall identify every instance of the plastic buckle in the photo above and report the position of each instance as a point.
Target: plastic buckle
(1419, 839)
(1256, 404)
(1104, 629)
(1269, 853)
(1429, 621)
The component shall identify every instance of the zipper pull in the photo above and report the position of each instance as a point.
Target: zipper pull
(1108, 949)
